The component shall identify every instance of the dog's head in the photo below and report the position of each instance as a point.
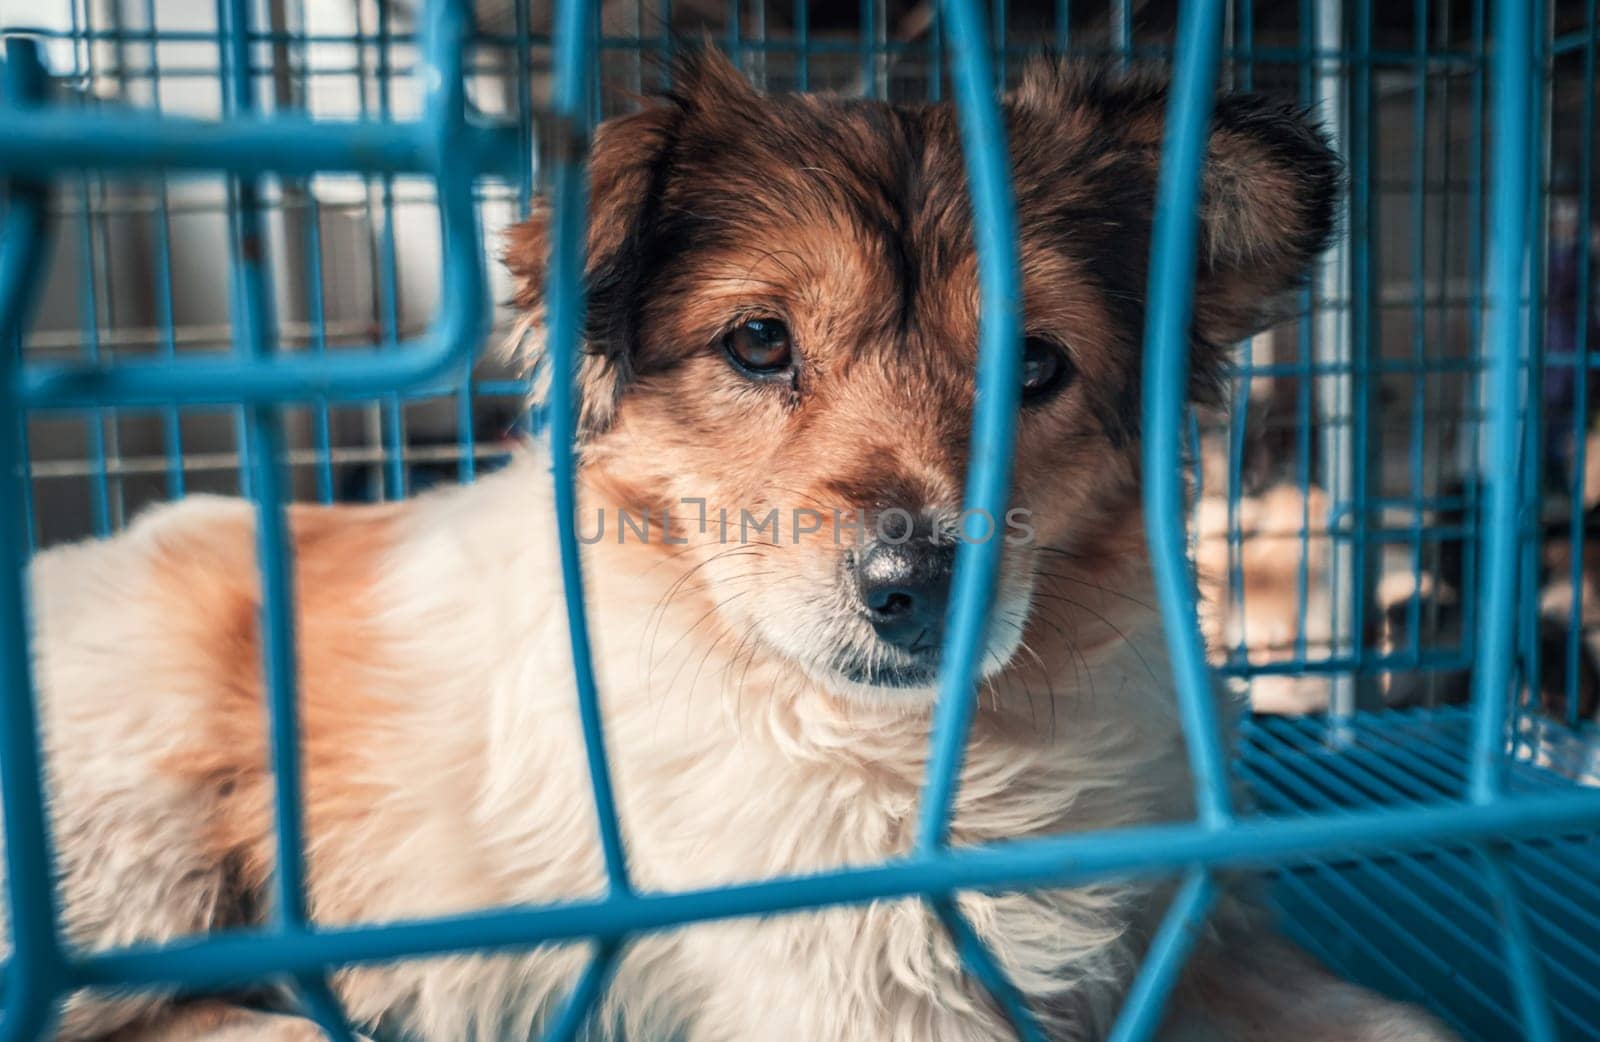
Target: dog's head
(783, 324)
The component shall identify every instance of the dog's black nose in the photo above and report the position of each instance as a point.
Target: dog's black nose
(904, 588)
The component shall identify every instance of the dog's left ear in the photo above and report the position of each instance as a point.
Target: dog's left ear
(1268, 204)
(1268, 195)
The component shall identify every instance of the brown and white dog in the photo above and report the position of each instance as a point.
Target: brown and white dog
(782, 316)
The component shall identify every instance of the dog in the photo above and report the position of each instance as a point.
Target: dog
(781, 317)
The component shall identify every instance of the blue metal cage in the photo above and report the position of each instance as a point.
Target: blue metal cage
(1447, 854)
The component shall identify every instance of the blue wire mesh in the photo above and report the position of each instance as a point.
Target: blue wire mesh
(1361, 539)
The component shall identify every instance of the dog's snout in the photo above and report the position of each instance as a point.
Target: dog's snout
(904, 587)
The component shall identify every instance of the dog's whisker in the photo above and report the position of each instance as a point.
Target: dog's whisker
(1079, 580)
(1112, 626)
(1082, 671)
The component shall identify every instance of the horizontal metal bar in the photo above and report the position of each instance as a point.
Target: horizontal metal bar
(200, 199)
(1395, 367)
(1238, 535)
(357, 372)
(1455, 657)
(1444, 59)
(49, 141)
(1575, 41)
(204, 462)
(1146, 851)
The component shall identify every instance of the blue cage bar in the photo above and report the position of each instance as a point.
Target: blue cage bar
(1444, 784)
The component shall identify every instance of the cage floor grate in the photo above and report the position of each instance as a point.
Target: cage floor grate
(1422, 927)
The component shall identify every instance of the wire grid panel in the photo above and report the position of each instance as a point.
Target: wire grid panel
(451, 154)
(1333, 577)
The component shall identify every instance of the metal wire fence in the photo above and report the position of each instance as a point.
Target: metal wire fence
(270, 278)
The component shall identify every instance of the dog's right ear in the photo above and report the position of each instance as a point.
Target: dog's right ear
(626, 162)
(630, 167)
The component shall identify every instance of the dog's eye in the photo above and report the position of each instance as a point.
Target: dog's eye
(1046, 369)
(760, 346)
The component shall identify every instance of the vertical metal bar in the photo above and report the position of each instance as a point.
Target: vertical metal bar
(394, 420)
(1166, 355)
(1527, 980)
(1580, 363)
(88, 309)
(1416, 463)
(466, 434)
(998, 12)
(1508, 208)
(880, 48)
(19, 419)
(316, 314)
(1245, 41)
(734, 42)
(256, 335)
(987, 971)
(526, 183)
(872, 22)
(669, 44)
(1356, 581)
(994, 414)
(1443, 305)
(1332, 352)
(1239, 420)
(318, 1002)
(564, 300)
(310, 243)
(446, 42)
(1476, 249)
(89, 322)
(1197, 472)
(585, 993)
(372, 415)
(1174, 940)
(597, 64)
(636, 14)
(1122, 30)
(35, 973)
(758, 27)
(802, 39)
(171, 422)
(104, 277)
(1533, 430)
(466, 397)
(1311, 77)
